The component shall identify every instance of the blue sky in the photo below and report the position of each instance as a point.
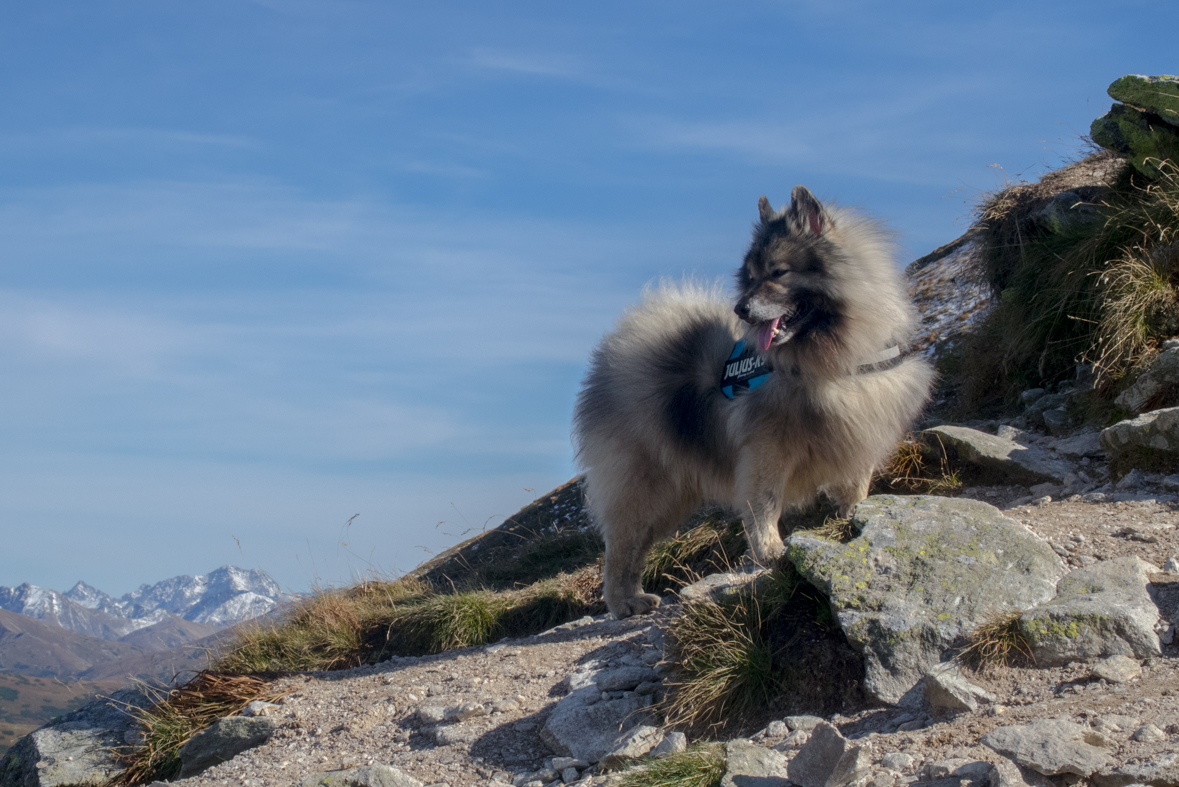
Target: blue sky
(267, 265)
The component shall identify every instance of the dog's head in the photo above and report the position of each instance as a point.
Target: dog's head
(784, 284)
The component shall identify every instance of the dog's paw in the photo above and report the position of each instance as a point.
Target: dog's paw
(636, 605)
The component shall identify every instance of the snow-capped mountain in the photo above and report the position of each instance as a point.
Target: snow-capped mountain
(222, 597)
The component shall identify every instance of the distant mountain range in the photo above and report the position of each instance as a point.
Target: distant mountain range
(220, 598)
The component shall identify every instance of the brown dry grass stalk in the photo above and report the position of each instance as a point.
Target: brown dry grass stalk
(997, 641)
(182, 712)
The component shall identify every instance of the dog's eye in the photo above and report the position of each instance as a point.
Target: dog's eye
(778, 273)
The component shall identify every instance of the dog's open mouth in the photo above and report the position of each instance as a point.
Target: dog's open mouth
(781, 329)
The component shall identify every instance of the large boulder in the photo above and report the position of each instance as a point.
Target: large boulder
(1156, 387)
(1157, 95)
(77, 748)
(1098, 611)
(223, 741)
(988, 458)
(1148, 442)
(1142, 137)
(923, 572)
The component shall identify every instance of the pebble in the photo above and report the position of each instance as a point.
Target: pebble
(1116, 669)
(1148, 733)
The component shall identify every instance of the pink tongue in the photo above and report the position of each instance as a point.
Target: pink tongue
(765, 334)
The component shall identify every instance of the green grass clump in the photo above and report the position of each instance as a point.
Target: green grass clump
(1103, 292)
(699, 766)
(722, 656)
(997, 641)
(544, 557)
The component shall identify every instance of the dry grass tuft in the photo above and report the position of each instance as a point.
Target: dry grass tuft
(699, 766)
(916, 468)
(1101, 292)
(716, 543)
(998, 641)
(181, 713)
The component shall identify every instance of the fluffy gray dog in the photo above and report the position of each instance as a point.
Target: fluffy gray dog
(801, 387)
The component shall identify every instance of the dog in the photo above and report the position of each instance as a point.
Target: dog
(800, 387)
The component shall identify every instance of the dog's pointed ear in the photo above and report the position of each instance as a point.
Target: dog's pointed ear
(764, 210)
(806, 213)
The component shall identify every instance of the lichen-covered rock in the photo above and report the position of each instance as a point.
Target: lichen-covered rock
(76, 749)
(1158, 95)
(1148, 442)
(1156, 383)
(223, 741)
(585, 727)
(923, 572)
(1142, 137)
(1101, 610)
(988, 458)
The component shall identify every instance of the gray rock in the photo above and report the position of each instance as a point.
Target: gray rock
(1148, 442)
(625, 678)
(924, 572)
(959, 767)
(1098, 611)
(1031, 395)
(1148, 733)
(1152, 384)
(1172, 565)
(1116, 669)
(260, 708)
(570, 775)
(986, 458)
(368, 776)
(561, 763)
(1079, 446)
(717, 587)
(1057, 421)
(583, 727)
(1131, 480)
(1051, 747)
(946, 687)
(631, 745)
(804, 723)
(223, 741)
(1160, 771)
(828, 760)
(897, 761)
(794, 741)
(749, 765)
(777, 729)
(75, 749)
(672, 743)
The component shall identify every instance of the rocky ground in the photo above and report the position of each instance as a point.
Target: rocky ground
(474, 717)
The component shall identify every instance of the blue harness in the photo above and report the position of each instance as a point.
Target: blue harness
(744, 370)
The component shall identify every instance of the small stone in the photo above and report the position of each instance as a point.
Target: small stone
(897, 761)
(561, 763)
(794, 741)
(631, 745)
(749, 764)
(1148, 733)
(1051, 746)
(804, 723)
(777, 729)
(368, 776)
(672, 743)
(570, 775)
(260, 708)
(1116, 669)
(1172, 565)
(945, 687)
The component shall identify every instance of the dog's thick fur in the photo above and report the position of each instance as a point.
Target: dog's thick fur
(820, 292)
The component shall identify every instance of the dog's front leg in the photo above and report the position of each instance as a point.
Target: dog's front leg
(759, 500)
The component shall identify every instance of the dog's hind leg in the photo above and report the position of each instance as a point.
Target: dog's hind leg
(630, 527)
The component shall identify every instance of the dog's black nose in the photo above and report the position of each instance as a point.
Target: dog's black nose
(742, 309)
